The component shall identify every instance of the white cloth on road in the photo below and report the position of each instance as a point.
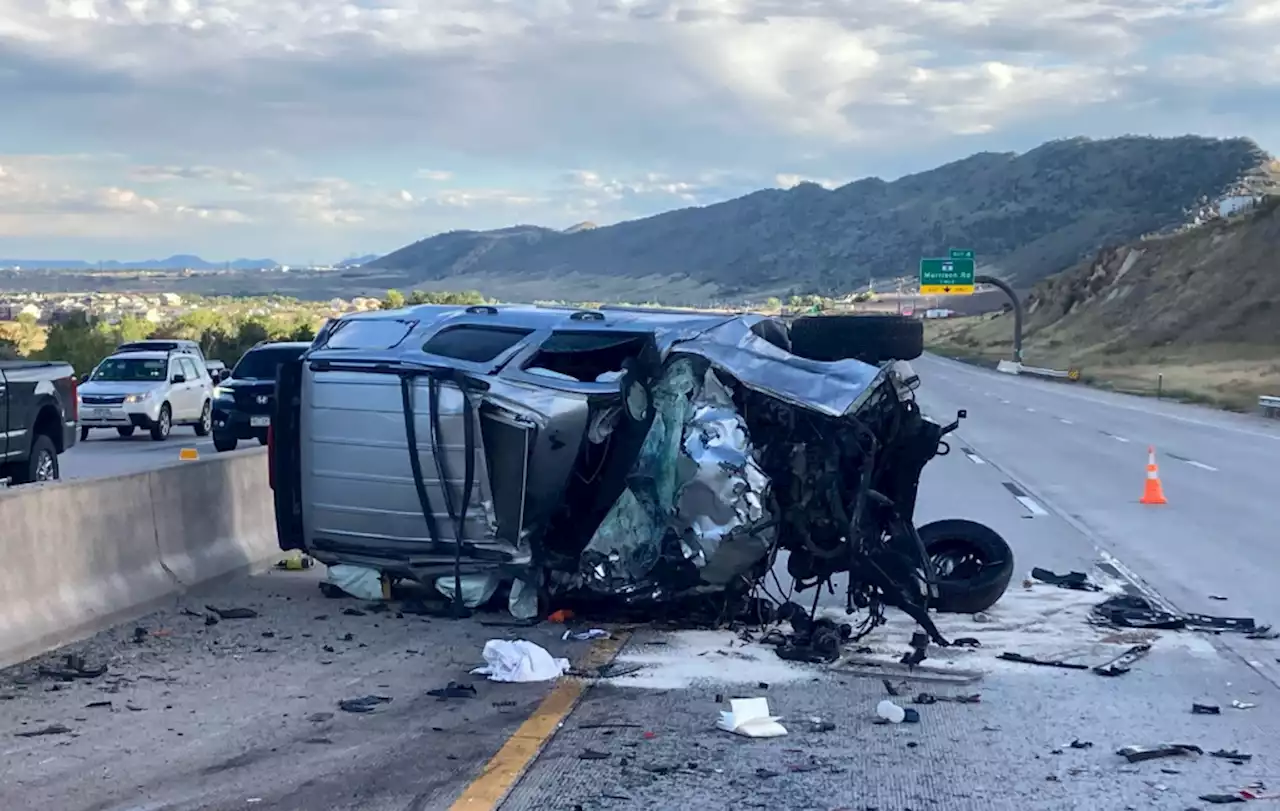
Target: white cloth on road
(519, 661)
(358, 581)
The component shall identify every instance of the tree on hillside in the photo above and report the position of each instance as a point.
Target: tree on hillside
(393, 300)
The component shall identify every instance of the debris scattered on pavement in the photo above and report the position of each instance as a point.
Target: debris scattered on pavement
(1079, 744)
(930, 698)
(817, 724)
(583, 636)
(1264, 633)
(319, 717)
(519, 661)
(74, 667)
(363, 703)
(816, 641)
(1138, 754)
(52, 729)
(1222, 799)
(1206, 709)
(1076, 581)
(453, 690)
(1009, 656)
(891, 713)
(592, 754)
(750, 718)
(358, 581)
(1134, 611)
(561, 616)
(1217, 597)
(919, 650)
(966, 642)
(353, 612)
(98, 705)
(890, 689)
(232, 613)
(1124, 662)
(1242, 705)
(615, 670)
(1256, 790)
(1238, 758)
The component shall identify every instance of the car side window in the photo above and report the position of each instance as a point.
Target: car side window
(192, 370)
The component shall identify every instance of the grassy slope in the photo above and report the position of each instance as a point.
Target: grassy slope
(1201, 308)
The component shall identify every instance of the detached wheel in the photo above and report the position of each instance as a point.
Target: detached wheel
(869, 338)
(973, 563)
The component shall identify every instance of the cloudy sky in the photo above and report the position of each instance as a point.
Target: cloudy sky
(310, 130)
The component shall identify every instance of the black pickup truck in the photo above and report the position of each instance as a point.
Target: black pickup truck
(38, 416)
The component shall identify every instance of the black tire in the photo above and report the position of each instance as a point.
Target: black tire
(41, 465)
(222, 444)
(161, 427)
(973, 563)
(84, 434)
(262, 440)
(206, 420)
(125, 430)
(869, 338)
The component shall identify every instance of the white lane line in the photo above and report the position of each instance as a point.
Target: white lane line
(1113, 436)
(1201, 465)
(1031, 410)
(1065, 422)
(1006, 402)
(975, 458)
(1031, 505)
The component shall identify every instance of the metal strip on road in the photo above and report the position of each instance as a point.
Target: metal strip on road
(1025, 500)
(1191, 462)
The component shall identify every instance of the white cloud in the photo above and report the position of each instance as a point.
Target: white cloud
(277, 118)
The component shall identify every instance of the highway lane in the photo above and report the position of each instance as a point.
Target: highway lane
(105, 453)
(1083, 453)
(244, 713)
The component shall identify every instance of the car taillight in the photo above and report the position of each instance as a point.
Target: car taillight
(271, 456)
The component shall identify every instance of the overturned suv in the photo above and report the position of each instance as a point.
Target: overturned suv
(636, 456)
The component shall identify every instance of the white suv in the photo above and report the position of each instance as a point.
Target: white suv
(148, 390)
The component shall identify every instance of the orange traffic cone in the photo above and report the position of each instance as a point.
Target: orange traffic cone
(1154, 492)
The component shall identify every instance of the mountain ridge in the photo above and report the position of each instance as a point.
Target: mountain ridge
(1026, 215)
(175, 262)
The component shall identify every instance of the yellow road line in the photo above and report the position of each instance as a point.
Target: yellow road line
(504, 769)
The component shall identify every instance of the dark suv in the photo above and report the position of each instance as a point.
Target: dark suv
(244, 402)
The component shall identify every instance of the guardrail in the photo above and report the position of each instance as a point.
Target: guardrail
(1010, 367)
(1269, 406)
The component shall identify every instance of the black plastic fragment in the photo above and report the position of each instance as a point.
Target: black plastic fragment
(1077, 581)
(1206, 709)
(1009, 656)
(362, 704)
(233, 613)
(52, 729)
(1124, 662)
(453, 690)
(1138, 754)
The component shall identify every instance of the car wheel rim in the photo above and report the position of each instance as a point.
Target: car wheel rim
(164, 422)
(44, 468)
(206, 419)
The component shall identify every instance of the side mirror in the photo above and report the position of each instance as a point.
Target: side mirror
(223, 374)
(176, 379)
(84, 378)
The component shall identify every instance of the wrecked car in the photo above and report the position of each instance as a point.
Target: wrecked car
(637, 455)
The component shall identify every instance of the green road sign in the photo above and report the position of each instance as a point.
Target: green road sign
(952, 276)
(956, 253)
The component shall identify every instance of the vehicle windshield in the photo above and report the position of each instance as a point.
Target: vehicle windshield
(131, 369)
(261, 364)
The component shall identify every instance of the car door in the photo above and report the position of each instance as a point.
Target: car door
(179, 393)
(195, 387)
(199, 380)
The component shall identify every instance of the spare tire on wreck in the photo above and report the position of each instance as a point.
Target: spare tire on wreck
(973, 563)
(869, 338)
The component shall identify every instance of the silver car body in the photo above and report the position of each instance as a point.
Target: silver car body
(545, 388)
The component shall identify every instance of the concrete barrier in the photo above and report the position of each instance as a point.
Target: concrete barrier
(82, 555)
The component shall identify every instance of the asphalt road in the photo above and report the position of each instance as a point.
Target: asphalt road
(1083, 453)
(243, 713)
(105, 453)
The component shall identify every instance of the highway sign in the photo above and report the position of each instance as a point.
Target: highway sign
(957, 253)
(951, 276)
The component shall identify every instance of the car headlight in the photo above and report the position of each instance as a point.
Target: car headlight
(220, 392)
(137, 398)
